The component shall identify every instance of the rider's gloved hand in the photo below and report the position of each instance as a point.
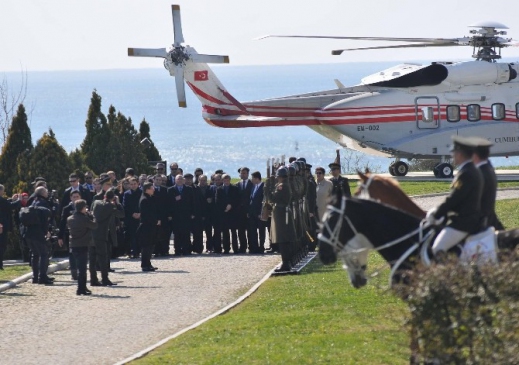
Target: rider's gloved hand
(431, 219)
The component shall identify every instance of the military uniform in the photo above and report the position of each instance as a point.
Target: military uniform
(282, 228)
(488, 197)
(462, 208)
(341, 183)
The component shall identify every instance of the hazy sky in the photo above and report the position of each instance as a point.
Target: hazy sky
(95, 34)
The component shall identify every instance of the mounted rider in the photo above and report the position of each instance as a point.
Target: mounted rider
(462, 208)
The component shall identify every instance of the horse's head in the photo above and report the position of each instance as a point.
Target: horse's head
(338, 228)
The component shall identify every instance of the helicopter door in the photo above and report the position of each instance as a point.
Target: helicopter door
(427, 110)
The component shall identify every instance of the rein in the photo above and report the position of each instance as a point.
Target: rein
(342, 251)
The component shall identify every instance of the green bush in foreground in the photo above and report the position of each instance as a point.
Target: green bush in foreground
(466, 314)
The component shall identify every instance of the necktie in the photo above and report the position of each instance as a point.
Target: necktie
(180, 190)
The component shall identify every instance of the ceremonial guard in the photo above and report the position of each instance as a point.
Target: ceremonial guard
(338, 181)
(462, 208)
(488, 197)
(282, 228)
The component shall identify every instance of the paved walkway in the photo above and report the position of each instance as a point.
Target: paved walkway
(51, 325)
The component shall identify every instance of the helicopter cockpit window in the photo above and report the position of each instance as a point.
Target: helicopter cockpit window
(453, 113)
(498, 111)
(517, 110)
(427, 114)
(473, 113)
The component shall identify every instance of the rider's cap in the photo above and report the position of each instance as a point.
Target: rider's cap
(460, 143)
(282, 172)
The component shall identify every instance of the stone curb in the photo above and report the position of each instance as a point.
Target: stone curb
(193, 326)
(442, 194)
(21, 279)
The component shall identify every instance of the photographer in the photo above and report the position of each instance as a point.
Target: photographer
(36, 236)
(80, 226)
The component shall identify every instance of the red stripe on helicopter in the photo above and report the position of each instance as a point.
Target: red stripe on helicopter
(206, 96)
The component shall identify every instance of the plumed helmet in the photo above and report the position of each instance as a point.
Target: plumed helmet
(292, 169)
(282, 172)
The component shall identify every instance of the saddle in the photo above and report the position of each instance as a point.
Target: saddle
(480, 248)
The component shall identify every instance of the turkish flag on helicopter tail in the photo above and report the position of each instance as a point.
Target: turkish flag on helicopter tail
(201, 75)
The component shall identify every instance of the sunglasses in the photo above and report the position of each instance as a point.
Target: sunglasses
(72, 181)
(318, 173)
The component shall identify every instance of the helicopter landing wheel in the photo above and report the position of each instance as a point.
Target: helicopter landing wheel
(400, 168)
(435, 170)
(391, 169)
(445, 170)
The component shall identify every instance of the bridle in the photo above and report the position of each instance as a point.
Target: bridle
(344, 252)
(364, 187)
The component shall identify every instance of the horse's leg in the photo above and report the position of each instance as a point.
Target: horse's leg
(508, 240)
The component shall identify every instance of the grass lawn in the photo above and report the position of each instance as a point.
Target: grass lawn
(12, 272)
(316, 317)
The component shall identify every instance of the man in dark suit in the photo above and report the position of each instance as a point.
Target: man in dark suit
(227, 202)
(215, 214)
(149, 221)
(63, 234)
(206, 210)
(86, 195)
(131, 199)
(6, 209)
(173, 167)
(242, 221)
(462, 207)
(197, 223)
(163, 232)
(256, 225)
(89, 182)
(181, 211)
(488, 197)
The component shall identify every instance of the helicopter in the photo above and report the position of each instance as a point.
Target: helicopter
(408, 111)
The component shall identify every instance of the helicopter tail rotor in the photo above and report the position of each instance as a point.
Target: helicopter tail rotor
(177, 56)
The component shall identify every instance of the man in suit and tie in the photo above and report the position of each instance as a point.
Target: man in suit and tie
(173, 167)
(89, 182)
(181, 212)
(227, 203)
(242, 221)
(163, 231)
(206, 208)
(131, 199)
(256, 225)
(75, 186)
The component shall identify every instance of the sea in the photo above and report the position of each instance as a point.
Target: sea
(60, 100)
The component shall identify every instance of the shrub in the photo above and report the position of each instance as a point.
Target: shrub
(464, 313)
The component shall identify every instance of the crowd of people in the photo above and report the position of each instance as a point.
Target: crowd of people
(136, 216)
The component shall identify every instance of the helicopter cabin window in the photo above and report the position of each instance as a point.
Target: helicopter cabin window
(473, 113)
(427, 114)
(498, 111)
(453, 113)
(517, 110)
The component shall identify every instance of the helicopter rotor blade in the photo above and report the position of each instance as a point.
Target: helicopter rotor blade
(177, 25)
(179, 82)
(339, 51)
(147, 52)
(390, 39)
(206, 58)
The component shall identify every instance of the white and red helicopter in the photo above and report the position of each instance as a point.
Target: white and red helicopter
(409, 111)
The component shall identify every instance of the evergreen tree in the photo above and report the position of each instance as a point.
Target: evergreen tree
(125, 148)
(96, 143)
(152, 154)
(18, 144)
(50, 160)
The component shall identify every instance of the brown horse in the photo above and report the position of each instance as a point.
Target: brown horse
(388, 191)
